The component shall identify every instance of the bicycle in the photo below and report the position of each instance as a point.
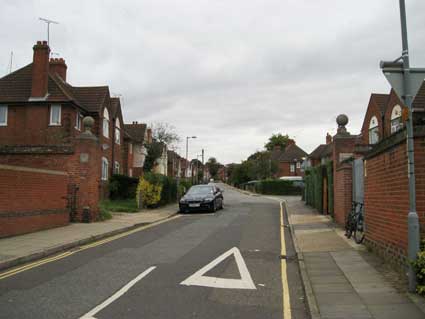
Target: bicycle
(354, 224)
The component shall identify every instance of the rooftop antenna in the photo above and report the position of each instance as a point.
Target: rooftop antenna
(48, 21)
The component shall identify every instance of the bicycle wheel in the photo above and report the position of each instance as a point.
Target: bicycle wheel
(359, 233)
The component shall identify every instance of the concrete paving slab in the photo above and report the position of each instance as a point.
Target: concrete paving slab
(344, 283)
(396, 311)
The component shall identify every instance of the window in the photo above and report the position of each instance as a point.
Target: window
(130, 172)
(373, 131)
(3, 115)
(106, 123)
(78, 121)
(117, 168)
(292, 168)
(105, 168)
(396, 122)
(55, 115)
(298, 165)
(130, 148)
(117, 131)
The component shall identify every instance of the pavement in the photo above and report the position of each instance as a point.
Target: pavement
(24, 248)
(342, 279)
(236, 263)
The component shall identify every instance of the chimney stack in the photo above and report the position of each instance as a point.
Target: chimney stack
(59, 67)
(289, 143)
(328, 138)
(40, 70)
(149, 131)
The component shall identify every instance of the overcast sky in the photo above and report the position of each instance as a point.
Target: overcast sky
(232, 72)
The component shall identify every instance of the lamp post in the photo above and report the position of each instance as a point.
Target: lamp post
(187, 153)
(406, 82)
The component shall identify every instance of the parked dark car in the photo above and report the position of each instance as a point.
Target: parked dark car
(202, 197)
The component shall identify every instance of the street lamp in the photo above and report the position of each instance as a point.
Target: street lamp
(406, 82)
(187, 153)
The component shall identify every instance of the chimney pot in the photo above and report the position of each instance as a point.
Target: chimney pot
(58, 66)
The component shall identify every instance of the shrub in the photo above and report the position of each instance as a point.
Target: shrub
(419, 266)
(122, 187)
(151, 193)
(104, 214)
(274, 187)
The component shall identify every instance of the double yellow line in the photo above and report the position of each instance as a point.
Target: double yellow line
(43, 261)
(285, 287)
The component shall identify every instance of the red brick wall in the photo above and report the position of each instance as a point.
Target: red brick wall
(29, 125)
(387, 198)
(285, 170)
(31, 200)
(342, 192)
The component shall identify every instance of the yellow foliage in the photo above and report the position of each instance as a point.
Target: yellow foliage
(151, 193)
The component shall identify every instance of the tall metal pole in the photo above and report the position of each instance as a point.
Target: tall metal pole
(412, 218)
(187, 156)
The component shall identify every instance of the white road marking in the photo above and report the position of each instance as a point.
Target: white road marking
(198, 278)
(115, 296)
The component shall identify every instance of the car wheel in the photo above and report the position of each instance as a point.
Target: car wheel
(213, 207)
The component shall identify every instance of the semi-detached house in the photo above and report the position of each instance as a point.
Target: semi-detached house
(53, 170)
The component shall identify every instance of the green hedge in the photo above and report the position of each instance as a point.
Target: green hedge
(274, 187)
(122, 187)
(330, 174)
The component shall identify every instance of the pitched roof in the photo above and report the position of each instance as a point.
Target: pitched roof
(136, 131)
(317, 153)
(419, 101)
(292, 152)
(16, 87)
(380, 100)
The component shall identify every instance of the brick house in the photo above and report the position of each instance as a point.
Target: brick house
(137, 136)
(289, 160)
(174, 168)
(385, 174)
(43, 146)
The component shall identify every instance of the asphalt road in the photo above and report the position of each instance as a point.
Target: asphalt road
(167, 271)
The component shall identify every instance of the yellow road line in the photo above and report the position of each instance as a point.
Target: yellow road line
(43, 261)
(285, 287)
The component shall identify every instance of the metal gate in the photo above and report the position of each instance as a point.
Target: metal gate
(358, 181)
(72, 202)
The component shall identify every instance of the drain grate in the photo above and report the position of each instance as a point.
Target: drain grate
(286, 257)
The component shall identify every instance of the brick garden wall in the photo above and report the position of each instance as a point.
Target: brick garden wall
(342, 192)
(31, 199)
(387, 198)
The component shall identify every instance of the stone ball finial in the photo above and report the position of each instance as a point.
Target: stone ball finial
(88, 122)
(342, 120)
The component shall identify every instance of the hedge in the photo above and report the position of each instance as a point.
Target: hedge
(273, 187)
(122, 187)
(168, 184)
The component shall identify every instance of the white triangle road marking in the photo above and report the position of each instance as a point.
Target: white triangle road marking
(198, 278)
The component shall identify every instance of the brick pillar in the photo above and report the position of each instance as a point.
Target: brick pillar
(87, 170)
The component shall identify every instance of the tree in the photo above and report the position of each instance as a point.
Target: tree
(277, 140)
(213, 166)
(155, 150)
(165, 133)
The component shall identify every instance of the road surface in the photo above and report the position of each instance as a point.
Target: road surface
(223, 265)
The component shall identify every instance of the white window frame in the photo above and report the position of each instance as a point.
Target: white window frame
(116, 167)
(298, 164)
(105, 123)
(130, 172)
(373, 130)
(117, 132)
(5, 107)
(292, 168)
(51, 114)
(105, 169)
(396, 121)
(78, 121)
